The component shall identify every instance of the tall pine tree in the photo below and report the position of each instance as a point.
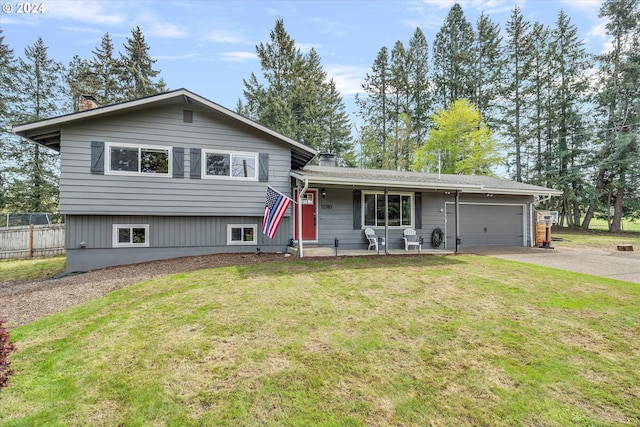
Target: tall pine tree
(295, 98)
(138, 73)
(8, 73)
(34, 174)
(453, 59)
(106, 72)
(618, 101)
(374, 109)
(517, 93)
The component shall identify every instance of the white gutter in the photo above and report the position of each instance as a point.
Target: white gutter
(381, 183)
(300, 193)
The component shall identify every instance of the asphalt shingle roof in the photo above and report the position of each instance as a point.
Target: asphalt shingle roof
(378, 177)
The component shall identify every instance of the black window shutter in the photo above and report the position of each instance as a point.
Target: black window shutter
(263, 167)
(418, 210)
(357, 209)
(178, 162)
(97, 157)
(195, 155)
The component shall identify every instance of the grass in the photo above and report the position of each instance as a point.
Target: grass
(628, 225)
(23, 270)
(462, 340)
(594, 239)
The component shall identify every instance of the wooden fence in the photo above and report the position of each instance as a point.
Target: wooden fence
(31, 240)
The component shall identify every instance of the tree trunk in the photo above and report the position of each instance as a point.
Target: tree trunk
(616, 223)
(592, 206)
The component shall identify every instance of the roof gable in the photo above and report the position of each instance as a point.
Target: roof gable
(47, 131)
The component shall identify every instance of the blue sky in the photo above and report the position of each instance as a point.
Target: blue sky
(208, 47)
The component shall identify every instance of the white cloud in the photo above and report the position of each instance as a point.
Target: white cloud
(226, 37)
(165, 30)
(348, 78)
(238, 56)
(89, 12)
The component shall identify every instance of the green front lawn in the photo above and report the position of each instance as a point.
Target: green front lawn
(458, 340)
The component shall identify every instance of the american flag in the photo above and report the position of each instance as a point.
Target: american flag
(274, 209)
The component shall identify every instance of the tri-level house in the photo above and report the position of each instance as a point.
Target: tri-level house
(175, 175)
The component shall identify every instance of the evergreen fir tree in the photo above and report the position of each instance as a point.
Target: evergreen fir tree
(569, 64)
(374, 106)
(296, 99)
(420, 90)
(618, 100)
(518, 87)
(137, 68)
(106, 73)
(33, 178)
(453, 59)
(8, 94)
(489, 68)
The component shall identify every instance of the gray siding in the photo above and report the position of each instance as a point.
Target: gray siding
(86, 193)
(169, 237)
(335, 213)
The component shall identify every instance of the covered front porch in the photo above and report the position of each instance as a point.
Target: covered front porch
(324, 251)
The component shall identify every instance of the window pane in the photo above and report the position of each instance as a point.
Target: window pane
(248, 234)
(406, 210)
(380, 209)
(236, 234)
(370, 209)
(218, 164)
(244, 166)
(124, 159)
(138, 235)
(154, 161)
(394, 210)
(124, 235)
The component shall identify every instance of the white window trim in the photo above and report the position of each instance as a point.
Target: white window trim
(399, 227)
(117, 244)
(203, 165)
(107, 157)
(230, 227)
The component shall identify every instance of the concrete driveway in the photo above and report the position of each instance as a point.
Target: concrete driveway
(614, 265)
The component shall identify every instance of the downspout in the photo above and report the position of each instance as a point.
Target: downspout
(300, 193)
(457, 220)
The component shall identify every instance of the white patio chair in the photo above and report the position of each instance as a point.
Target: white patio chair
(410, 239)
(373, 239)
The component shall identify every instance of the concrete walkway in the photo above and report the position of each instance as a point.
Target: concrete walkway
(614, 265)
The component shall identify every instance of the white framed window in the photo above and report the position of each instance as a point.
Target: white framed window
(229, 165)
(130, 235)
(242, 234)
(400, 210)
(135, 159)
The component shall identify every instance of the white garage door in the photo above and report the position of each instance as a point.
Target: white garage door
(486, 225)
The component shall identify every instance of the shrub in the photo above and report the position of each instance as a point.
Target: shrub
(6, 347)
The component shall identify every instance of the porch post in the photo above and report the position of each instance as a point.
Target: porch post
(299, 207)
(457, 219)
(386, 221)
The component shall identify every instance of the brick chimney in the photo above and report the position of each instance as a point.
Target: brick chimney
(87, 102)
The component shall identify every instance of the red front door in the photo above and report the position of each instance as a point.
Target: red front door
(309, 216)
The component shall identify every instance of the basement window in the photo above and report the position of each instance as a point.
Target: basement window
(241, 234)
(130, 235)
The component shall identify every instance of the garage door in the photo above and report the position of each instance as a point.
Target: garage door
(486, 225)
